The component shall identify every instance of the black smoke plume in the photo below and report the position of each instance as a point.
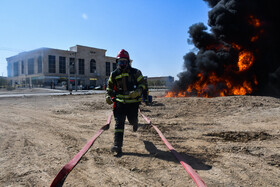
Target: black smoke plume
(235, 26)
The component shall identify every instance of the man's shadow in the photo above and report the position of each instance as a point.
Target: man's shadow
(195, 163)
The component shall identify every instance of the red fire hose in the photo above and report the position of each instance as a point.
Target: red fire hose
(199, 182)
(62, 174)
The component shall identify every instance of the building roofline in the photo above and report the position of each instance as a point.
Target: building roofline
(25, 52)
(47, 48)
(90, 47)
(110, 57)
(161, 77)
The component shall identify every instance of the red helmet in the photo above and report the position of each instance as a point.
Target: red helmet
(123, 54)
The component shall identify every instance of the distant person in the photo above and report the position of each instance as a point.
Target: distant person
(124, 89)
(52, 85)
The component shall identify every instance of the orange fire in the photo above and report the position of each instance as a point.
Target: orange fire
(254, 21)
(202, 86)
(211, 84)
(245, 60)
(257, 24)
(254, 38)
(207, 86)
(245, 88)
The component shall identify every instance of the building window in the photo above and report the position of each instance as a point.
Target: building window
(30, 65)
(92, 66)
(51, 64)
(22, 67)
(15, 69)
(81, 66)
(114, 66)
(9, 68)
(72, 65)
(92, 83)
(62, 64)
(39, 61)
(108, 67)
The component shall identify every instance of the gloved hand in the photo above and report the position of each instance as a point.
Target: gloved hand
(136, 93)
(109, 100)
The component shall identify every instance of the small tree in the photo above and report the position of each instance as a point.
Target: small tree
(3, 82)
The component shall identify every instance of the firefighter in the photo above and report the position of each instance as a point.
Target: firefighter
(124, 90)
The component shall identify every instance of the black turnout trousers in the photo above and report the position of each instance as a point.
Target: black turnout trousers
(121, 111)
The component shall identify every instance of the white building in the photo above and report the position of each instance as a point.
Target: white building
(157, 82)
(47, 67)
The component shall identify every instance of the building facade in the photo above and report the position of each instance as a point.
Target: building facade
(81, 66)
(160, 82)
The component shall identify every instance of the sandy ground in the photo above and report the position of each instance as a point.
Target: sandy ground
(229, 141)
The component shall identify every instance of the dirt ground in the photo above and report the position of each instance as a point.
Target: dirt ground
(229, 141)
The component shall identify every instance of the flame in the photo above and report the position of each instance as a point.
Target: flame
(211, 84)
(245, 88)
(208, 87)
(254, 21)
(254, 38)
(245, 58)
(174, 94)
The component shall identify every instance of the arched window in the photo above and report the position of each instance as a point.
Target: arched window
(92, 66)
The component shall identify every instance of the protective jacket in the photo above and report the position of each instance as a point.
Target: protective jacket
(121, 83)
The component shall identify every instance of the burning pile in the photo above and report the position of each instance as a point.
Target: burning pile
(240, 56)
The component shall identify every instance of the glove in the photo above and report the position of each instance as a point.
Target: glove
(109, 100)
(136, 93)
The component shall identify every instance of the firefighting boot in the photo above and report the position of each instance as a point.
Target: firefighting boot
(118, 141)
(116, 149)
(135, 127)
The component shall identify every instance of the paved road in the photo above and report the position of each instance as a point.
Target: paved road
(44, 92)
(48, 92)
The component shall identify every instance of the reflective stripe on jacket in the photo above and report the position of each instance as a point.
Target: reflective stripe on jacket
(120, 84)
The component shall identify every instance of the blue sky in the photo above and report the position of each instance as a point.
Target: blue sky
(154, 32)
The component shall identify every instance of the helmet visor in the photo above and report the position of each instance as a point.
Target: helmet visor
(122, 63)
